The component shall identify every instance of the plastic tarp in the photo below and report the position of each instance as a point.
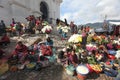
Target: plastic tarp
(114, 23)
(100, 30)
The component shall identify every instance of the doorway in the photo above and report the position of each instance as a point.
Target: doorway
(44, 10)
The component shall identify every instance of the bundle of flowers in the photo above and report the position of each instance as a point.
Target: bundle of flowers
(104, 40)
(117, 54)
(75, 38)
(91, 47)
(8, 29)
(44, 23)
(47, 29)
(96, 38)
(116, 41)
(59, 29)
(89, 38)
(65, 29)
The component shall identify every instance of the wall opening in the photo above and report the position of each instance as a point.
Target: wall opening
(44, 10)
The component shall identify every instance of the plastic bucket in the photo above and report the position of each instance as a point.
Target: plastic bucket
(82, 72)
(70, 70)
(81, 77)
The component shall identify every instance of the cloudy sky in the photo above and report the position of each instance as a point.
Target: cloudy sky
(85, 11)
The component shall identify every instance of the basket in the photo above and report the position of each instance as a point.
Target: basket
(13, 68)
(70, 70)
(96, 68)
(4, 68)
(31, 65)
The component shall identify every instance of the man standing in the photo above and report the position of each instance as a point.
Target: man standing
(2, 27)
(31, 25)
(72, 27)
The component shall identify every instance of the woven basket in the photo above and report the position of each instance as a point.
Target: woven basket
(4, 68)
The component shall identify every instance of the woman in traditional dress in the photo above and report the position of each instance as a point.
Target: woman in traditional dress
(21, 51)
(5, 40)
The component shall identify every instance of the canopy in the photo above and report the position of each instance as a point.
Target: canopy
(114, 23)
(100, 30)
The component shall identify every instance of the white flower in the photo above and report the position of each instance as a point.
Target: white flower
(75, 38)
(59, 27)
(47, 27)
(65, 29)
(117, 54)
(117, 41)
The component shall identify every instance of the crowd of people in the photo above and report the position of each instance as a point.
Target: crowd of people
(97, 49)
(36, 52)
(101, 49)
(33, 25)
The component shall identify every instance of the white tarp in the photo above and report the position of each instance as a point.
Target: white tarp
(114, 23)
(100, 30)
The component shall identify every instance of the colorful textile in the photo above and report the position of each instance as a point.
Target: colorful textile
(20, 49)
(5, 39)
(73, 58)
(46, 50)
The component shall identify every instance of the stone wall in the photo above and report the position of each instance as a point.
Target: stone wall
(19, 9)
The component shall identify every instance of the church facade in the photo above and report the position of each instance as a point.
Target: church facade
(20, 9)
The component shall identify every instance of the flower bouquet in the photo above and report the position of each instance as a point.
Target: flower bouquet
(47, 29)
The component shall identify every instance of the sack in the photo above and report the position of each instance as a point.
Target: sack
(4, 68)
(37, 32)
(110, 72)
(38, 66)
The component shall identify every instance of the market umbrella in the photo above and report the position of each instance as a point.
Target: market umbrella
(75, 38)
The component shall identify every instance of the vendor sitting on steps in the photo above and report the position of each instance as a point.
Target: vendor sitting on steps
(45, 50)
(21, 51)
(5, 40)
(49, 42)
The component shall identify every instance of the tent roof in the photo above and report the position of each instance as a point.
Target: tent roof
(100, 30)
(114, 23)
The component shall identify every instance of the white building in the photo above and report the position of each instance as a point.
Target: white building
(20, 9)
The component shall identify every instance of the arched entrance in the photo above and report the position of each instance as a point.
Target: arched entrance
(44, 10)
